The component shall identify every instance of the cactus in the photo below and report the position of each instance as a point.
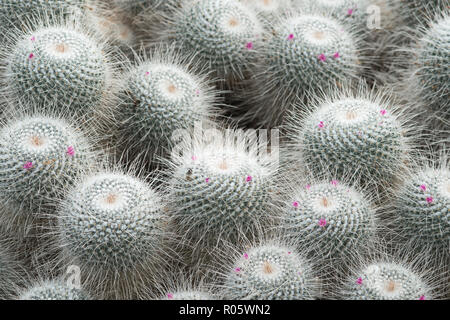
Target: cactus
(54, 290)
(430, 78)
(268, 10)
(219, 189)
(385, 281)
(222, 33)
(422, 209)
(270, 271)
(41, 157)
(111, 226)
(360, 134)
(188, 295)
(160, 95)
(332, 220)
(307, 53)
(58, 63)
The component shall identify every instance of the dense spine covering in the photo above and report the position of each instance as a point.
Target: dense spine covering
(306, 53)
(359, 135)
(220, 188)
(223, 34)
(54, 290)
(111, 225)
(10, 276)
(270, 271)
(161, 95)
(422, 210)
(331, 219)
(58, 63)
(385, 281)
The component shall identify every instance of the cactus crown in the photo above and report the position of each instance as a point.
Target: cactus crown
(270, 272)
(111, 220)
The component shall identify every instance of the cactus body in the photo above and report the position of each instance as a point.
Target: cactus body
(54, 290)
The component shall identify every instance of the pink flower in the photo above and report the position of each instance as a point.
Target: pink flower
(291, 36)
(322, 57)
(28, 165)
(322, 222)
(336, 55)
(245, 256)
(422, 297)
(308, 186)
(321, 124)
(350, 12)
(33, 38)
(169, 296)
(429, 199)
(334, 182)
(295, 204)
(237, 269)
(359, 281)
(197, 92)
(249, 179)
(147, 73)
(289, 252)
(383, 112)
(70, 151)
(194, 158)
(249, 45)
(423, 187)
(31, 56)
(207, 180)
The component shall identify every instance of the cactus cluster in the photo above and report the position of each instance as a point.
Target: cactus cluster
(224, 149)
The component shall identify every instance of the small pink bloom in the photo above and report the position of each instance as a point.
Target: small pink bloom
(194, 158)
(249, 179)
(336, 55)
(28, 165)
(207, 180)
(197, 92)
(245, 256)
(422, 297)
(423, 187)
(249, 45)
(33, 38)
(429, 199)
(321, 124)
(147, 73)
(291, 36)
(383, 112)
(70, 151)
(350, 12)
(308, 186)
(322, 57)
(31, 56)
(322, 222)
(359, 281)
(289, 252)
(237, 269)
(170, 296)
(295, 204)
(334, 182)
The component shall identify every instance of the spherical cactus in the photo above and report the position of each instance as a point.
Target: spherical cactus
(222, 33)
(332, 220)
(61, 64)
(160, 95)
(54, 290)
(353, 135)
(220, 189)
(270, 271)
(306, 53)
(41, 158)
(430, 80)
(422, 209)
(111, 226)
(385, 281)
